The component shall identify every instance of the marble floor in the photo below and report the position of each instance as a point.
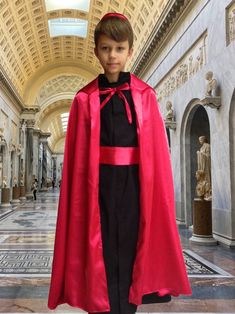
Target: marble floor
(26, 249)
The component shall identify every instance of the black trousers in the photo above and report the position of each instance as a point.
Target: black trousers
(119, 211)
(34, 194)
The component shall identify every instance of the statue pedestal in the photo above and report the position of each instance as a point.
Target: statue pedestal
(202, 223)
(15, 195)
(44, 189)
(22, 193)
(29, 195)
(170, 124)
(213, 102)
(5, 199)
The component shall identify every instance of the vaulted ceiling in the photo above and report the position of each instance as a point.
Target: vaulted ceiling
(47, 71)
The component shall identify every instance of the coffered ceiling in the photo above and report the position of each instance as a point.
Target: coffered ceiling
(47, 71)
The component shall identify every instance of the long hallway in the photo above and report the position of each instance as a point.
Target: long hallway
(26, 249)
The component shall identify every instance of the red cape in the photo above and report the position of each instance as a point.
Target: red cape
(78, 273)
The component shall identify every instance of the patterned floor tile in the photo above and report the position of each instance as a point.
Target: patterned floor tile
(33, 262)
(29, 220)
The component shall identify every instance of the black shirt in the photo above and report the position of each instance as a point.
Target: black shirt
(115, 129)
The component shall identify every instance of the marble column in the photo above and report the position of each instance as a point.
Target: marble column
(43, 141)
(22, 159)
(28, 116)
(29, 158)
(54, 170)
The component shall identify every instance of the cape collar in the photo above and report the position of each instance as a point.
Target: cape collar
(135, 83)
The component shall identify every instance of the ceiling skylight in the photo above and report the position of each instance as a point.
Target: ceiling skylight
(82, 5)
(64, 120)
(67, 27)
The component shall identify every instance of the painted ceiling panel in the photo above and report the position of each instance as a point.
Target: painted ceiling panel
(34, 61)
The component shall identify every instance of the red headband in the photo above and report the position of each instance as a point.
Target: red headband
(119, 15)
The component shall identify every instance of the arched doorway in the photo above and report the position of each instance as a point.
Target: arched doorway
(195, 124)
(4, 163)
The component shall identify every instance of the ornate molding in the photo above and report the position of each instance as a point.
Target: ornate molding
(186, 67)
(30, 123)
(31, 110)
(230, 22)
(10, 88)
(166, 22)
(28, 116)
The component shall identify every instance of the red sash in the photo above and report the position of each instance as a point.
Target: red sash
(119, 156)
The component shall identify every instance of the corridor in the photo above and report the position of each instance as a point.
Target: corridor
(26, 249)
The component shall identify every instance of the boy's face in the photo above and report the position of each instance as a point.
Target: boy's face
(113, 56)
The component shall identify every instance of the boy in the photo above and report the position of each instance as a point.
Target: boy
(117, 244)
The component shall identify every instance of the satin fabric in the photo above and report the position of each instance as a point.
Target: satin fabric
(119, 156)
(118, 90)
(78, 272)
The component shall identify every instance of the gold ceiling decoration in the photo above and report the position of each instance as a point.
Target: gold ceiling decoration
(41, 67)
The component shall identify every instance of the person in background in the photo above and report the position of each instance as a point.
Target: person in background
(35, 188)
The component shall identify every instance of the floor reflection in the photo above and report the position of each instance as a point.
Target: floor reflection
(26, 249)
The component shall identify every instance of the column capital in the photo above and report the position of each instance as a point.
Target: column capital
(44, 136)
(30, 123)
(28, 116)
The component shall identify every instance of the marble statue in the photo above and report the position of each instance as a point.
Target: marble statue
(14, 181)
(21, 181)
(1, 134)
(22, 178)
(204, 159)
(211, 85)
(203, 190)
(170, 112)
(4, 182)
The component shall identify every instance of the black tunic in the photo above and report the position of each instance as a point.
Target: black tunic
(118, 198)
(119, 201)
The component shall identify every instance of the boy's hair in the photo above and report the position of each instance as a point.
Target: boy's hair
(115, 27)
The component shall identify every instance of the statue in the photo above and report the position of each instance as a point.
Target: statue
(204, 159)
(19, 149)
(22, 178)
(1, 135)
(203, 190)
(170, 112)
(211, 85)
(4, 182)
(14, 181)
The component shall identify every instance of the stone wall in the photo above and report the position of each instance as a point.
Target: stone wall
(202, 41)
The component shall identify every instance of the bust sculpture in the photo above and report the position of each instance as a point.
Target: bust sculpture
(170, 112)
(211, 85)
